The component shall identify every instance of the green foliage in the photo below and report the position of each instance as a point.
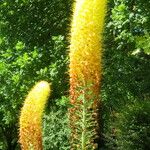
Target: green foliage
(125, 72)
(55, 126)
(84, 131)
(125, 75)
(142, 43)
(33, 21)
(128, 19)
(131, 127)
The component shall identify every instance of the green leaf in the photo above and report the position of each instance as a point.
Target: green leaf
(20, 45)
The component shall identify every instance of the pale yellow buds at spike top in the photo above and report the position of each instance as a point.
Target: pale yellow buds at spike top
(30, 132)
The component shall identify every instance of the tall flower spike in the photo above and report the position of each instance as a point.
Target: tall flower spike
(30, 133)
(85, 56)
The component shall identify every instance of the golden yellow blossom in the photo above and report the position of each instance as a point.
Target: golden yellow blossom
(86, 45)
(30, 134)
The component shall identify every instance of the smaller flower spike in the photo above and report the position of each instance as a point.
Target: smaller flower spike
(30, 132)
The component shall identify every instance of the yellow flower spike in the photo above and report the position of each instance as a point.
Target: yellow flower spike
(86, 53)
(86, 43)
(30, 133)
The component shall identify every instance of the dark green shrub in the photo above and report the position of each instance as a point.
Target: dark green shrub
(33, 21)
(55, 126)
(132, 127)
(125, 62)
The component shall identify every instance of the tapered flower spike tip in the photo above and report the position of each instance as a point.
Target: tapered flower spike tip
(30, 132)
